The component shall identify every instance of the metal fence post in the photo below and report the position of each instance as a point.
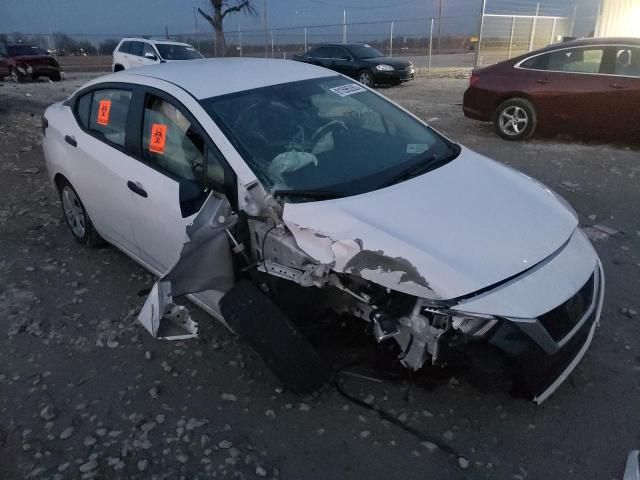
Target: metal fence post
(533, 28)
(344, 26)
(272, 46)
(480, 28)
(240, 38)
(553, 29)
(513, 26)
(305, 39)
(391, 41)
(430, 46)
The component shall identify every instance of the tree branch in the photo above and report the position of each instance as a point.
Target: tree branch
(245, 5)
(207, 17)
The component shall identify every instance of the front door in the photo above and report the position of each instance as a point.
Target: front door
(177, 173)
(342, 62)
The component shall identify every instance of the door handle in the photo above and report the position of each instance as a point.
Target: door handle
(70, 140)
(137, 188)
(617, 86)
(542, 81)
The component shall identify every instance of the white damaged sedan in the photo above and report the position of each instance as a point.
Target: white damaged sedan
(227, 178)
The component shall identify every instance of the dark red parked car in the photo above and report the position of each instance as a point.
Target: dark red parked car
(30, 62)
(4, 62)
(589, 86)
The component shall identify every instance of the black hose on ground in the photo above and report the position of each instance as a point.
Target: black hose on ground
(444, 447)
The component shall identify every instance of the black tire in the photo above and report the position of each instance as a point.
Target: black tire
(365, 77)
(516, 119)
(55, 76)
(259, 322)
(118, 68)
(88, 236)
(16, 76)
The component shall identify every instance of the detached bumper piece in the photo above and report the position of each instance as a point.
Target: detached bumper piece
(204, 264)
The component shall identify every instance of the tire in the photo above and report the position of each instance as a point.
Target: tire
(365, 77)
(118, 68)
(16, 76)
(77, 217)
(516, 119)
(55, 76)
(259, 322)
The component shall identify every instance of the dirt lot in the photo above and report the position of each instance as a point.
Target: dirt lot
(85, 392)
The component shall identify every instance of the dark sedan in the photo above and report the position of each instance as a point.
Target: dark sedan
(30, 62)
(361, 62)
(589, 86)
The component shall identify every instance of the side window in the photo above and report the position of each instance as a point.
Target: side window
(574, 60)
(627, 61)
(136, 48)
(108, 115)
(148, 49)
(83, 109)
(124, 48)
(321, 52)
(170, 142)
(215, 170)
(339, 53)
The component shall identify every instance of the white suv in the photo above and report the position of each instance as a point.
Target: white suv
(136, 52)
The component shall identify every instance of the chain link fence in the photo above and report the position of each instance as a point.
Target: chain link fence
(496, 31)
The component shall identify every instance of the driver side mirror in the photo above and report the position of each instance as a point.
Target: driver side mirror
(191, 197)
(150, 56)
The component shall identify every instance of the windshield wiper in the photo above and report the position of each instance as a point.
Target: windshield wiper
(427, 164)
(312, 194)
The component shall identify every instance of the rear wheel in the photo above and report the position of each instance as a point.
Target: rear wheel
(118, 68)
(55, 76)
(516, 119)
(16, 76)
(365, 78)
(76, 216)
(259, 322)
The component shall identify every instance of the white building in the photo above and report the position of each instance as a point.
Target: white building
(619, 18)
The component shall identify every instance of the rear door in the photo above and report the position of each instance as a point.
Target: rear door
(4, 64)
(134, 57)
(98, 144)
(321, 56)
(179, 169)
(569, 89)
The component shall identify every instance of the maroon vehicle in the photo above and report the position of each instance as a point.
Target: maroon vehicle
(589, 86)
(30, 62)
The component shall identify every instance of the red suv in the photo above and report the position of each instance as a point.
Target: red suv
(30, 62)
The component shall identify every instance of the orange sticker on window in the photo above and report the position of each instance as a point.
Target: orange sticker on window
(103, 112)
(158, 138)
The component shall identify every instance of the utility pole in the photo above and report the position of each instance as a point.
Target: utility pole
(166, 32)
(439, 26)
(344, 26)
(266, 30)
(195, 27)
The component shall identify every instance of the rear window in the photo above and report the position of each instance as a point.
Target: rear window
(24, 50)
(124, 48)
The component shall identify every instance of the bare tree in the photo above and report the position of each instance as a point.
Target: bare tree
(222, 8)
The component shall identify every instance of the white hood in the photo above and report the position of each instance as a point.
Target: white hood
(460, 228)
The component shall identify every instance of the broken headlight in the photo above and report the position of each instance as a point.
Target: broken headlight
(469, 324)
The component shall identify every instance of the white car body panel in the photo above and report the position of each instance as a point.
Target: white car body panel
(442, 232)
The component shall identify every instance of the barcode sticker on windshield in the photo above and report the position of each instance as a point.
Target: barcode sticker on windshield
(348, 89)
(417, 148)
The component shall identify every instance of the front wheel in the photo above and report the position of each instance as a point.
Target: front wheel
(516, 119)
(365, 78)
(77, 218)
(16, 76)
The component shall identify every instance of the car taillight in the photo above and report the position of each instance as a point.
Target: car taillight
(473, 79)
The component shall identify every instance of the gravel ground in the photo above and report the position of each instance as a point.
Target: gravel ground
(85, 392)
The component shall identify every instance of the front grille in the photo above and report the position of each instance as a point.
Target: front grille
(561, 320)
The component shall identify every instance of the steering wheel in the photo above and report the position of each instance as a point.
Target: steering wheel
(333, 126)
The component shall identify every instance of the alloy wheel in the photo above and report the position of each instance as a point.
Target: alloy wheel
(514, 120)
(73, 212)
(365, 79)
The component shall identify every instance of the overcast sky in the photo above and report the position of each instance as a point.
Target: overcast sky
(119, 17)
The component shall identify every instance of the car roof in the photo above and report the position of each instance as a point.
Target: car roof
(355, 44)
(152, 40)
(585, 42)
(212, 77)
